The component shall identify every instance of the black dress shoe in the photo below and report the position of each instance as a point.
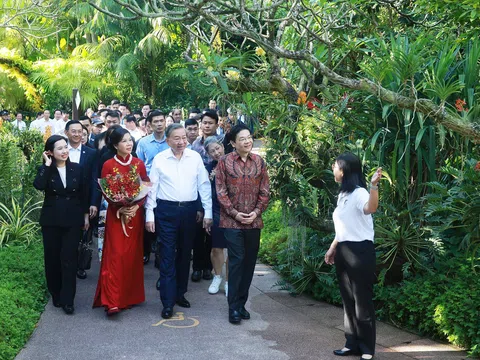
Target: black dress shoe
(68, 309)
(183, 302)
(196, 276)
(207, 275)
(244, 314)
(146, 259)
(81, 274)
(167, 312)
(234, 317)
(345, 353)
(55, 301)
(157, 285)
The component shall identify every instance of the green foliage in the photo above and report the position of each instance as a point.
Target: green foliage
(274, 235)
(297, 253)
(444, 305)
(399, 243)
(452, 209)
(11, 163)
(20, 156)
(22, 295)
(16, 226)
(29, 141)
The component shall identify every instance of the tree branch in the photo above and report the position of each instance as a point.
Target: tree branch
(245, 29)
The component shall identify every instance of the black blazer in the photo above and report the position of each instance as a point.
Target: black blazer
(63, 206)
(91, 141)
(89, 161)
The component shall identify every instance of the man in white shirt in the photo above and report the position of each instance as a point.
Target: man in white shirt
(44, 124)
(178, 176)
(146, 109)
(18, 122)
(39, 118)
(131, 126)
(61, 121)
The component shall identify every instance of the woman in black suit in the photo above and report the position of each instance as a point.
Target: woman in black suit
(64, 214)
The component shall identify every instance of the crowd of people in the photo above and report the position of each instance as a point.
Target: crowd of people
(208, 192)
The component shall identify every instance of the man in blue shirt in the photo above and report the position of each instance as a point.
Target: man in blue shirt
(147, 148)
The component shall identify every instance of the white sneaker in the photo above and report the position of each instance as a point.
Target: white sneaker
(226, 288)
(215, 285)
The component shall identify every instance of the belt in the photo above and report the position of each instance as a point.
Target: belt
(177, 203)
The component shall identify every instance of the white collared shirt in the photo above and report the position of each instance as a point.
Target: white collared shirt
(74, 154)
(349, 219)
(20, 125)
(42, 125)
(136, 134)
(179, 180)
(60, 127)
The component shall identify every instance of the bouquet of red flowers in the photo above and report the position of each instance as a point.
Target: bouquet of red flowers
(124, 189)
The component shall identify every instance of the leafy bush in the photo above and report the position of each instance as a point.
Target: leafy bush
(29, 141)
(455, 205)
(443, 305)
(441, 301)
(297, 254)
(274, 235)
(15, 223)
(11, 161)
(22, 295)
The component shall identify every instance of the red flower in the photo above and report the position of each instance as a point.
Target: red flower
(477, 166)
(121, 187)
(311, 104)
(459, 105)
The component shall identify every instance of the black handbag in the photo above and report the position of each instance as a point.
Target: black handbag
(84, 254)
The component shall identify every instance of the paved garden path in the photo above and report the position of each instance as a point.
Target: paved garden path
(281, 327)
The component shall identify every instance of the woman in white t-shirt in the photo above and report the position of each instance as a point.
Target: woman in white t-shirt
(353, 253)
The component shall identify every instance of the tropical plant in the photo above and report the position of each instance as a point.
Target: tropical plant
(15, 223)
(400, 244)
(11, 163)
(452, 210)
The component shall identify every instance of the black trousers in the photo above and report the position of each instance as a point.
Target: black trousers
(148, 240)
(60, 246)
(355, 267)
(202, 248)
(242, 256)
(175, 228)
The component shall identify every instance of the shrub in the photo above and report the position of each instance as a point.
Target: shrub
(443, 305)
(15, 223)
(22, 295)
(274, 235)
(11, 162)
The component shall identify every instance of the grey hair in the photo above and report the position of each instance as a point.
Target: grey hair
(211, 140)
(171, 128)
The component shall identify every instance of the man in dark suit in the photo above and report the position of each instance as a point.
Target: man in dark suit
(87, 158)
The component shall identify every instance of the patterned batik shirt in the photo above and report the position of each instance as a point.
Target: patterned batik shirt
(242, 186)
